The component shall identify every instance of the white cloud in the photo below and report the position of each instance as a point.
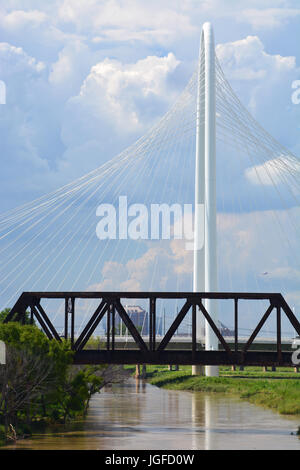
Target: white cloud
(259, 14)
(74, 62)
(246, 59)
(268, 94)
(21, 73)
(135, 274)
(268, 17)
(183, 258)
(16, 59)
(127, 20)
(273, 171)
(122, 90)
(164, 265)
(116, 101)
(19, 19)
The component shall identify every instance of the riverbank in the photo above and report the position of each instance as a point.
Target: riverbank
(279, 391)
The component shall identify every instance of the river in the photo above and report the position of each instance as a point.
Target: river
(137, 415)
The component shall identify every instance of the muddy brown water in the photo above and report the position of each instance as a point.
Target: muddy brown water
(136, 415)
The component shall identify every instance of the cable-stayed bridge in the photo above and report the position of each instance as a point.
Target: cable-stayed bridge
(249, 190)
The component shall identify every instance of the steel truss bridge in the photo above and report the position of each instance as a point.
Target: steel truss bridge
(154, 352)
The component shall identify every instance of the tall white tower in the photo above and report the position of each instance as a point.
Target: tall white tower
(205, 258)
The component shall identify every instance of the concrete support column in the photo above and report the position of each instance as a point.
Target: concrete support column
(140, 371)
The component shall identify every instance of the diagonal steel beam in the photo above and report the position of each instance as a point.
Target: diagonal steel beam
(19, 309)
(91, 325)
(41, 322)
(214, 327)
(130, 325)
(48, 322)
(287, 310)
(174, 326)
(259, 326)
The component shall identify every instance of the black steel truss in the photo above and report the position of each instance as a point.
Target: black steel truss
(110, 304)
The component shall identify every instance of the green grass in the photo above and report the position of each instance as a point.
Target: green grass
(279, 391)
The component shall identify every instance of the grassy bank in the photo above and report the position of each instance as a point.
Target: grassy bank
(279, 391)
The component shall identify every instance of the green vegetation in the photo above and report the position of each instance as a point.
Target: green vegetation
(39, 386)
(5, 312)
(278, 390)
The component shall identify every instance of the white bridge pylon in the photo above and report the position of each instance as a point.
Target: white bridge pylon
(205, 258)
(51, 243)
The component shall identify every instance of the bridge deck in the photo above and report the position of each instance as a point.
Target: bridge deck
(175, 357)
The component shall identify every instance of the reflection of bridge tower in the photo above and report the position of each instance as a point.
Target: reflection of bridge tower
(205, 258)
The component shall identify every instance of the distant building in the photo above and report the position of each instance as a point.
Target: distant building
(139, 318)
(137, 315)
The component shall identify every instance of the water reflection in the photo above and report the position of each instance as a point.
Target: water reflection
(209, 409)
(229, 423)
(136, 415)
(140, 386)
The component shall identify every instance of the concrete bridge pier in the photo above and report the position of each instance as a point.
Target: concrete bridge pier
(140, 371)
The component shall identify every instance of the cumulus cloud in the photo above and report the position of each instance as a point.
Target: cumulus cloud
(95, 101)
(116, 103)
(72, 66)
(138, 274)
(259, 14)
(22, 75)
(246, 59)
(273, 171)
(268, 17)
(127, 20)
(15, 60)
(123, 91)
(268, 95)
(18, 19)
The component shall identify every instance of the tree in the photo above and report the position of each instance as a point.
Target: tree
(6, 311)
(3, 314)
(35, 367)
(40, 382)
(73, 394)
(22, 380)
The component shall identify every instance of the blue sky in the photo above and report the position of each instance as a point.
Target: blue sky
(87, 78)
